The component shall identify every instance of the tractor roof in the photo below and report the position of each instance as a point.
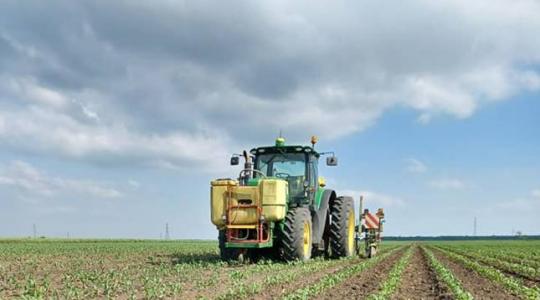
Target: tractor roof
(285, 149)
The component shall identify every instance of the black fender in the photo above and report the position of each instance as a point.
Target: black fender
(319, 216)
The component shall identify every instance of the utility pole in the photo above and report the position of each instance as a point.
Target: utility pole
(167, 231)
(34, 230)
(474, 227)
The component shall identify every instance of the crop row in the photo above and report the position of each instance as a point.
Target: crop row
(515, 251)
(505, 254)
(78, 270)
(250, 287)
(447, 277)
(332, 279)
(388, 287)
(520, 269)
(247, 286)
(511, 283)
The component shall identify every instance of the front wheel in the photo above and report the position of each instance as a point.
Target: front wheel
(226, 254)
(342, 227)
(296, 242)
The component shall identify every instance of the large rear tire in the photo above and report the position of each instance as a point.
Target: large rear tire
(296, 240)
(226, 254)
(342, 227)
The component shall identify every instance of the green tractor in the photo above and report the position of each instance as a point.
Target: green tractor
(280, 206)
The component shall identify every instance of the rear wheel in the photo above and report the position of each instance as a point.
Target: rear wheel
(296, 242)
(226, 254)
(342, 227)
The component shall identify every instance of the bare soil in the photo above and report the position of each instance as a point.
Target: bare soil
(419, 280)
(478, 286)
(276, 292)
(365, 283)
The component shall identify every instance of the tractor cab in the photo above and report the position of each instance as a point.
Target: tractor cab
(295, 164)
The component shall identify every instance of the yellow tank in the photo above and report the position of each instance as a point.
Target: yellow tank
(246, 195)
(218, 195)
(274, 198)
(270, 194)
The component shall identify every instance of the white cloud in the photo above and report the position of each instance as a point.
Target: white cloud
(31, 181)
(374, 200)
(522, 204)
(448, 184)
(27, 89)
(433, 95)
(304, 67)
(90, 114)
(46, 131)
(134, 183)
(415, 166)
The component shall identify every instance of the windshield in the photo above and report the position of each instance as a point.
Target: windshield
(288, 166)
(282, 165)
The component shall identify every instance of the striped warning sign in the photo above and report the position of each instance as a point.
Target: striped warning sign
(371, 221)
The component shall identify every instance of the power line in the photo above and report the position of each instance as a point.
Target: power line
(167, 231)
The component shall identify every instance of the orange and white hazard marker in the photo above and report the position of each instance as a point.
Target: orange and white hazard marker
(371, 221)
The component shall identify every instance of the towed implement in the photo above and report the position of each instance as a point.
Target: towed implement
(280, 206)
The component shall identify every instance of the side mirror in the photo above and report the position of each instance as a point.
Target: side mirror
(331, 161)
(235, 160)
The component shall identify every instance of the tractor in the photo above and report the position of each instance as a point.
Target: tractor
(279, 206)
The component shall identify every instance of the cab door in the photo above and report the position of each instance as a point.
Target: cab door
(312, 178)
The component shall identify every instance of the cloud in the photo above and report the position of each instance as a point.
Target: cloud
(520, 204)
(415, 166)
(530, 204)
(182, 85)
(448, 184)
(30, 181)
(48, 132)
(374, 200)
(134, 183)
(31, 91)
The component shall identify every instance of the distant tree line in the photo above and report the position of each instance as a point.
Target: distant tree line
(461, 238)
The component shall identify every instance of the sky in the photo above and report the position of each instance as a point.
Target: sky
(115, 116)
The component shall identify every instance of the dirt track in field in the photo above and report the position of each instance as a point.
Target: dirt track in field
(419, 281)
(365, 283)
(478, 286)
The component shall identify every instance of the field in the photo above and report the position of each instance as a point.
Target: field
(82, 269)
